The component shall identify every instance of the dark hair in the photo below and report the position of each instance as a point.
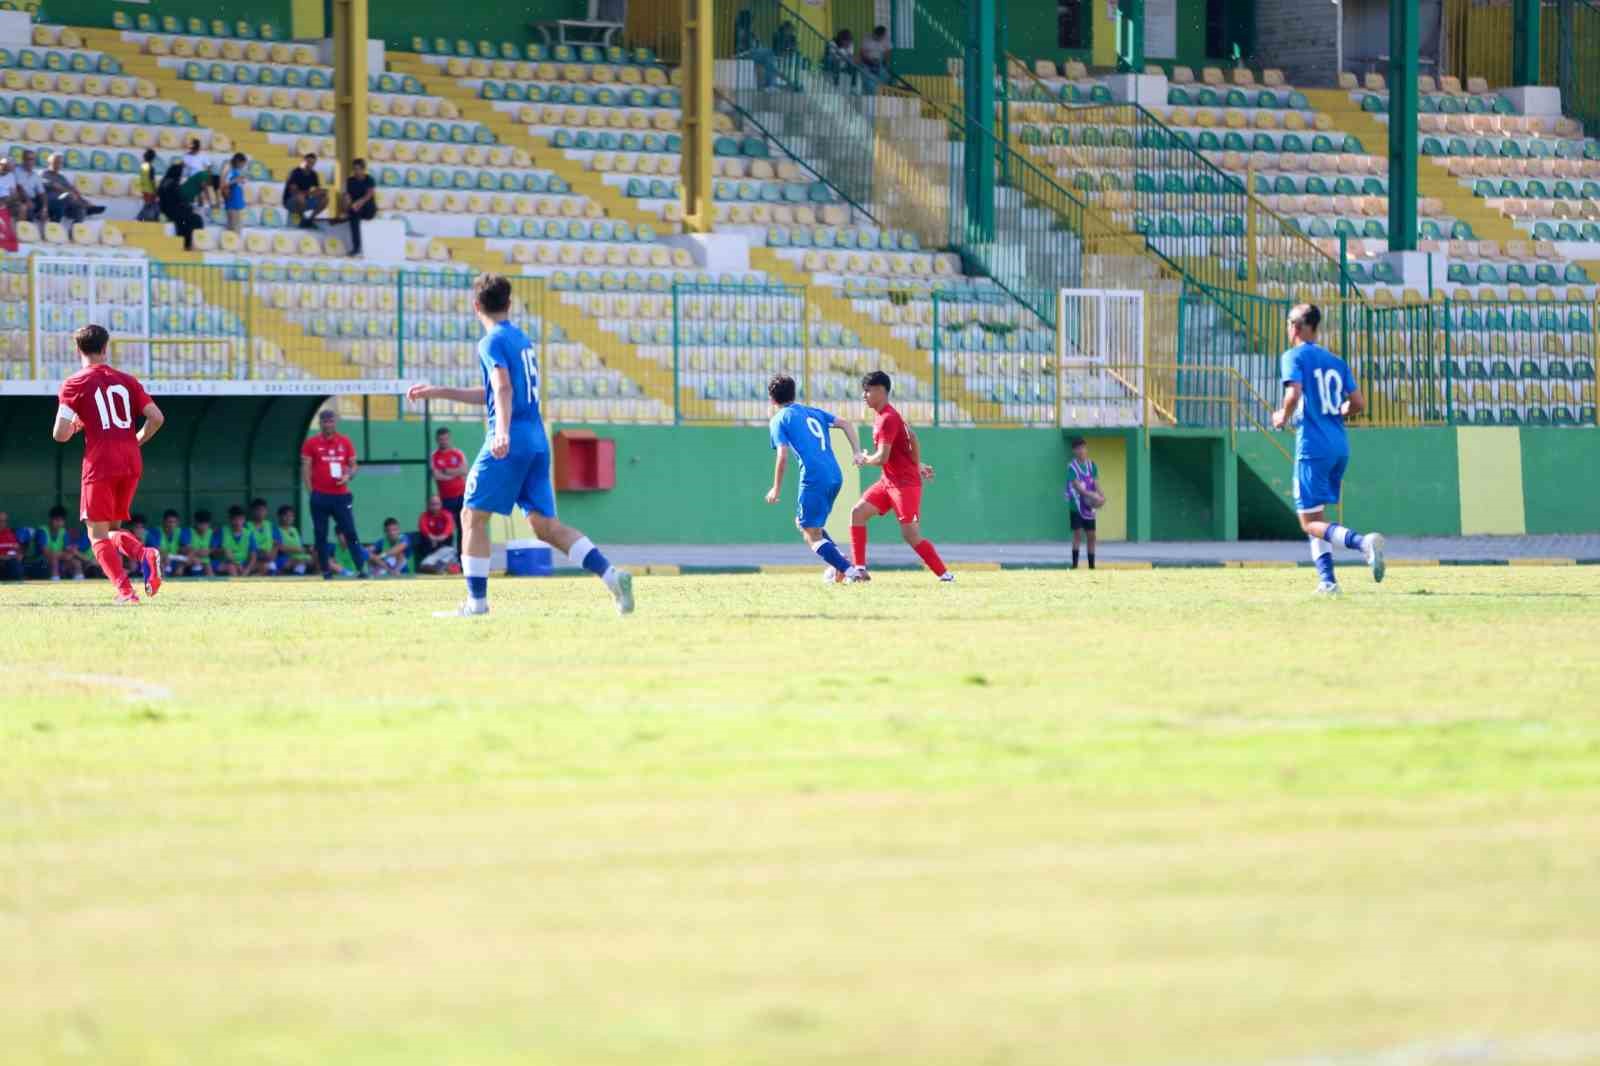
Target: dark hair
(235, 512)
(170, 513)
(257, 502)
(880, 31)
(387, 522)
(362, 163)
(139, 519)
(202, 517)
(194, 143)
(1078, 442)
(309, 155)
(492, 293)
(149, 155)
(327, 412)
(238, 157)
(781, 389)
(877, 377)
(91, 339)
(1308, 316)
(285, 509)
(441, 431)
(58, 511)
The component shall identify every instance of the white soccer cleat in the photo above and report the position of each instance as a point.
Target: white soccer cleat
(622, 592)
(1328, 588)
(948, 577)
(1374, 548)
(830, 576)
(857, 574)
(468, 608)
(127, 599)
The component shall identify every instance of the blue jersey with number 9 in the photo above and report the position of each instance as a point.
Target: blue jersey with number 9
(805, 431)
(1325, 383)
(508, 346)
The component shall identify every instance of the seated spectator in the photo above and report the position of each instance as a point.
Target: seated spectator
(63, 549)
(875, 56)
(174, 204)
(266, 539)
(201, 545)
(10, 551)
(293, 555)
(200, 182)
(64, 201)
(361, 200)
(167, 538)
(28, 200)
(391, 554)
(839, 58)
(150, 207)
(8, 184)
(747, 45)
(237, 556)
(233, 182)
(436, 531)
(303, 195)
(342, 563)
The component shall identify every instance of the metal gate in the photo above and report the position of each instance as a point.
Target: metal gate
(1100, 357)
(69, 292)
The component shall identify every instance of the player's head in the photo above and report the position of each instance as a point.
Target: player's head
(1080, 448)
(149, 155)
(491, 297)
(236, 516)
(56, 161)
(58, 516)
(258, 509)
(875, 390)
(170, 519)
(238, 159)
(310, 161)
(92, 341)
(194, 146)
(202, 518)
(435, 504)
(358, 168)
(442, 438)
(286, 515)
(391, 528)
(780, 390)
(327, 421)
(138, 521)
(1304, 321)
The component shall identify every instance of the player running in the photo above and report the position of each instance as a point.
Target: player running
(805, 432)
(900, 487)
(514, 465)
(103, 401)
(1319, 393)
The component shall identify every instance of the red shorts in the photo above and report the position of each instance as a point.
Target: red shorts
(108, 500)
(905, 499)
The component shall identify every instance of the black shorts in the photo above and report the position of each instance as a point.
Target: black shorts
(1080, 522)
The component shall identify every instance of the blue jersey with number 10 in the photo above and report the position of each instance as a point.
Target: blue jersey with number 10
(1325, 383)
(508, 346)
(805, 431)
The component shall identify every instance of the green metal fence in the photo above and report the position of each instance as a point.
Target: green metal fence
(1579, 62)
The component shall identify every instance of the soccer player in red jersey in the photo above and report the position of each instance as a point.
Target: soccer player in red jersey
(900, 487)
(103, 402)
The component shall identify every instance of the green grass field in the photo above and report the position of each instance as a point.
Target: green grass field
(1196, 818)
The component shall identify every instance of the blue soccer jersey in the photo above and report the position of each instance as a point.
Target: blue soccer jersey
(1325, 383)
(509, 347)
(805, 431)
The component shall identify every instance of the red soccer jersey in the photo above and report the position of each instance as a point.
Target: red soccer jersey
(899, 467)
(108, 403)
(330, 459)
(446, 459)
(438, 526)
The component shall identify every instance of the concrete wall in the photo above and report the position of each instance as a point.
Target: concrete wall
(1298, 37)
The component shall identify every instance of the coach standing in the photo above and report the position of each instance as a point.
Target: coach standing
(450, 474)
(327, 463)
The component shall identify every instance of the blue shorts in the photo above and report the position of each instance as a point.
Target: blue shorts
(811, 510)
(521, 478)
(1317, 482)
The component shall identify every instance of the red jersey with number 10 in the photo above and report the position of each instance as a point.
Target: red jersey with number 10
(109, 403)
(899, 467)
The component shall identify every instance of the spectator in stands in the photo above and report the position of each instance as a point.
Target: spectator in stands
(202, 544)
(266, 538)
(361, 201)
(233, 191)
(150, 208)
(391, 555)
(28, 201)
(327, 465)
(435, 543)
(237, 555)
(199, 183)
(62, 548)
(64, 201)
(747, 45)
(139, 526)
(175, 205)
(168, 540)
(293, 555)
(8, 184)
(10, 550)
(303, 194)
(875, 57)
(449, 465)
(839, 58)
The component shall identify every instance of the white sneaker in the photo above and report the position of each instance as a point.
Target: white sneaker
(469, 608)
(1328, 588)
(856, 575)
(948, 577)
(622, 591)
(1375, 544)
(830, 576)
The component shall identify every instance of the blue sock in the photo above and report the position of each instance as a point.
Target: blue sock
(830, 554)
(1322, 556)
(1349, 538)
(477, 572)
(585, 554)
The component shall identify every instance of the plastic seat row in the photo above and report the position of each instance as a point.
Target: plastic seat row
(1266, 99)
(77, 110)
(1445, 104)
(845, 238)
(603, 230)
(560, 53)
(604, 96)
(599, 73)
(76, 62)
(1510, 148)
(121, 87)
(243, 29)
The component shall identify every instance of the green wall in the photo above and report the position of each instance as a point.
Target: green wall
(1559, 493)
(1181, 488)
(397, 21)
(99, 12)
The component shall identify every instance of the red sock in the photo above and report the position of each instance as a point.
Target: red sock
(930, 555)
(127, 543)
(858, 544)
(105, 553)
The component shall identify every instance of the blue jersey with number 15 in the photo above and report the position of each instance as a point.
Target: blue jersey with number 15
(805, 431)
(1325, 383)
(508, 346)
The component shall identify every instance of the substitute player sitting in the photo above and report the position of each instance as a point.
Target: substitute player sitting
(514, 465)
(804, 431)
(1319, 393)
(103, 402)
(900, 487)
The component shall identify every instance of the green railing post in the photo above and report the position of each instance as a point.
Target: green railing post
(1403, 46)
(936, 344)
(400, 324)
(1449, 348)
(1525, 42)
(1344, 296)
(1004, 55)
(978, 88)
(677, 401)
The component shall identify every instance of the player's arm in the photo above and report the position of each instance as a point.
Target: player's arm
(778, 467)
(153, 421)
(916, 455)
(66, 424)
(845, 426)
(877, 455)
(1353, 404)
(1291, 400)
(418, 393)
(350, 470)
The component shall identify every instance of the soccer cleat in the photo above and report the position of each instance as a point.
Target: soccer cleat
(831, 576)
(152, 572)
(948, 577)
(127, 599)
(623, 592)
(1375, 544)
(856, 575)
(467, 609)
(1327, 588)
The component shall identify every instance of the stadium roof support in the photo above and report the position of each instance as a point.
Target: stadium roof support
(349, 87)
(1403, 44)
(979, 92)
(1130, 36)
(1525, 42)
(699, 33)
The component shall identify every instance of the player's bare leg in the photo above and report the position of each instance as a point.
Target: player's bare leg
(817, 540)
(580, 550)
(476, 546)
(107, 543)
(912, 532)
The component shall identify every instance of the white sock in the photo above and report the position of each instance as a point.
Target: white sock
(579, 550)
